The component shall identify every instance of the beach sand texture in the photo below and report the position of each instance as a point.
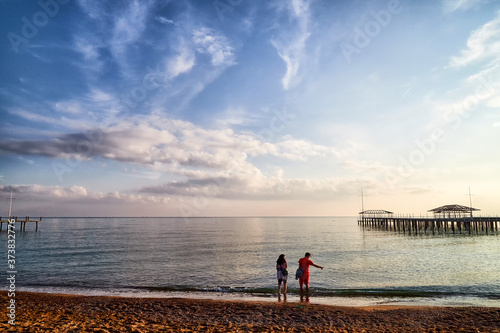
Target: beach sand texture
(37, 312)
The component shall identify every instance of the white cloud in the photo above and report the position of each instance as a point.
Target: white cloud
(85, 112)
(479, 88)
(162, 142)
(68, 107)
(129, 26)
(483, 44)
(183, 149)
(98, 96)
(70, 123)
(78, 195)
(474, 95)
(164, 20)
(117, 30)
(67, 193)
(88, 49)
(494, 102)
(233, 116)
(291, 56)
(31, 116)
(253, 185)
(182, 62)
(217, 46)
(291, 42)
(92, 8)
(449, 6)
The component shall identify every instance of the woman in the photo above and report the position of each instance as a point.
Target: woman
(282, 273)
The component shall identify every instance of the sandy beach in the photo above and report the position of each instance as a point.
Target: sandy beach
(67, 313)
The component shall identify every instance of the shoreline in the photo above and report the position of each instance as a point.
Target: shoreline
(37, 312)
(367, 298)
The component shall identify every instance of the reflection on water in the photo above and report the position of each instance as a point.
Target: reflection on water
(237, 256)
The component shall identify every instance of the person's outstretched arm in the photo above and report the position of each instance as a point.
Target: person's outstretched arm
(318, 266)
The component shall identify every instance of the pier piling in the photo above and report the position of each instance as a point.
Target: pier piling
(22, 223)
(450, 218)
(433, 225)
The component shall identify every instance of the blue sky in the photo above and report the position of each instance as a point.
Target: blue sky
(237, 107)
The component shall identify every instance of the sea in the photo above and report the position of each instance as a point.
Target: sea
(234, 258)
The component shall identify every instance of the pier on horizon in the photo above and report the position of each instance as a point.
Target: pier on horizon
(447, 219)
(27, 219)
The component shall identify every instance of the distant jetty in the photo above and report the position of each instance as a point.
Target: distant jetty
(15, 219)
(27, 219)
(455, 219)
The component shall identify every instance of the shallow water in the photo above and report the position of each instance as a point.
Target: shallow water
(234, 258)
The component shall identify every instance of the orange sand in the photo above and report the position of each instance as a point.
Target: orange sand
(66, 313)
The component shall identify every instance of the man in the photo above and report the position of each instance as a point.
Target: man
(304, 263)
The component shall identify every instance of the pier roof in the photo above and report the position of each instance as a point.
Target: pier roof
(452, 208)
(376, 211)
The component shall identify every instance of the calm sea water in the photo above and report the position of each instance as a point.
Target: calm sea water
(234, 258)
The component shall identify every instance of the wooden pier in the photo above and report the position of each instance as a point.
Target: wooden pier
(416, 225)
(447, 219)
(22, 222)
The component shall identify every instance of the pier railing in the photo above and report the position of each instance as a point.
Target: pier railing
(435, 224)
(23, 223)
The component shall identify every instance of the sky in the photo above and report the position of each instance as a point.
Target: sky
(248, 108)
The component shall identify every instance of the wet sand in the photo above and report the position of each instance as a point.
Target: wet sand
(67, 313)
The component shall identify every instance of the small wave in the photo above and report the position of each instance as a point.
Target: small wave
(213, 289)
(361, 292)
(345, 297)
